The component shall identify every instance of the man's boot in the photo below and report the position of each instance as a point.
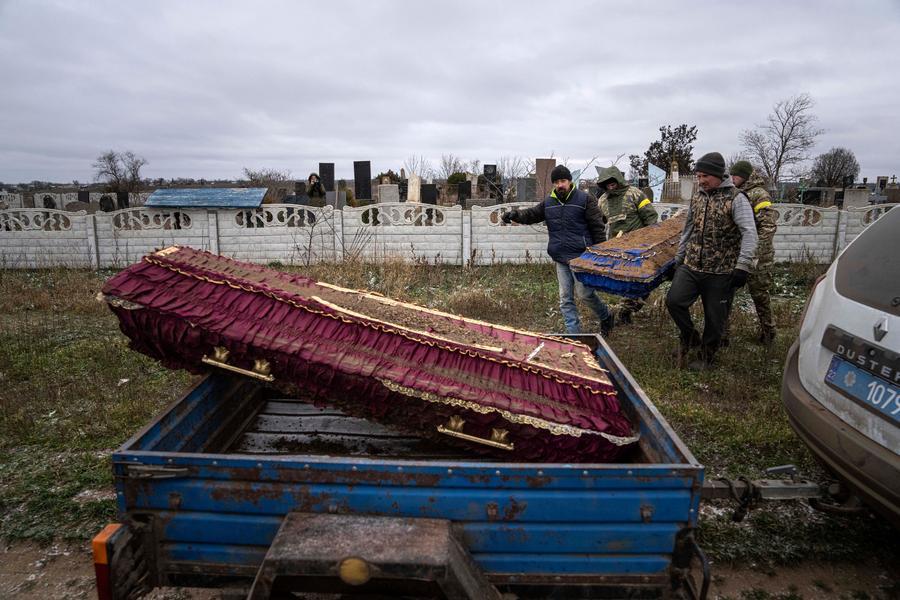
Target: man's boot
(766, 336)
(704, 361)
(682, 353)
(607, 324)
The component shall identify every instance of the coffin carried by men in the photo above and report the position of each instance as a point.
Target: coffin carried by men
(510, 393)
(633, 264)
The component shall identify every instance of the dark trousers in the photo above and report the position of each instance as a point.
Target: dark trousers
(715, 292)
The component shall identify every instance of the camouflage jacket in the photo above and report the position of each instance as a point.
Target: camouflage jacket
(719, 234)
(626, 208)
(766, 217)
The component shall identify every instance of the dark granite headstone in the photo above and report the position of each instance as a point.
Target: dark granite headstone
(84, 196)
(48, 201)
(490, 172)
(121, 200)
(429, 193)
(404, 189)
(526, 189)
(464, 191)
(336, 199)
(326, 174)
(362, 179)
(107, 204)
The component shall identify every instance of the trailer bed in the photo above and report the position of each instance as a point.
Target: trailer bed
(206, 485)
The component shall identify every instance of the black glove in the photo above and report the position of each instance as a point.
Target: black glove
(510, 216)
(739, 278)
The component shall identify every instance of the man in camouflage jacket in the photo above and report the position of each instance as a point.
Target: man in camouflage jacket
(626, 209)
(715, 257)
(752, 184)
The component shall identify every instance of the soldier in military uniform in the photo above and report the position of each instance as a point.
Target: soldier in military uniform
(626, 209)
(752, 184)
(715, 257)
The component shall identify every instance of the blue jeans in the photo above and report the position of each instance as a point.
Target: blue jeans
(569, 288)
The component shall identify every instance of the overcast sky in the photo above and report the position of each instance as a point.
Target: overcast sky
(204, 89)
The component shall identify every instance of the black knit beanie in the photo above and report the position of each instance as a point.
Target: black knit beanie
(711, 163)
(742, 168)
(560, 172)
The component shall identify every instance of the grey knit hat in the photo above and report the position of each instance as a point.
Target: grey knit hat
(711, 163)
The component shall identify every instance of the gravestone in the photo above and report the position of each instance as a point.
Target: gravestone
(490, 173)
(326, 176)
(48, 201)
(526, 189)
(429, 193)
(362, 179)
(543, 168)
(389, 193)
(414, 189)
(107, 204)
(121, 200)
(336, 199)
(84, 196)
(404, 189)
(464, 191)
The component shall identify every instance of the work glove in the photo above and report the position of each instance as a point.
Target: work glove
(510, 216)
(739, 278)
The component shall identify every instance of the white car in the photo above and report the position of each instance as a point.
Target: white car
(841, 386)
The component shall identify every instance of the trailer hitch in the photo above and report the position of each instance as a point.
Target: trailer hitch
(748, 493)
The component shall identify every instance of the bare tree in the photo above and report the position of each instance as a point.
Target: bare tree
(266, 177)
(512, 167)
(786, 138)
(273, 180)
(419, 165)
(474, 166)
(132, 165)
(109, 169)
(833, 166)
(449, 165)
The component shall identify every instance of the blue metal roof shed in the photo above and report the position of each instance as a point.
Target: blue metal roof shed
(207, 198)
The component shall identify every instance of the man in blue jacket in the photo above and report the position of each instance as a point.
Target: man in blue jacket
(574, 222)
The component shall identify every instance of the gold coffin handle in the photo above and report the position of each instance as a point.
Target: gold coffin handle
(454, 427)
(261, 368)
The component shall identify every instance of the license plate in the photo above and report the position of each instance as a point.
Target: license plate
(874, 393)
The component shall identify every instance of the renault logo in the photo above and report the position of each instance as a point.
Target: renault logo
(881, 329)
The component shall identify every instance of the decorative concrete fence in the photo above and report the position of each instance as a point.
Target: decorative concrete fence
(298, 235)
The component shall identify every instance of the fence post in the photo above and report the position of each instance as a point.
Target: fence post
(337, 218)
(212, 219)
(466, 238)
(840, 235)
(90, 231)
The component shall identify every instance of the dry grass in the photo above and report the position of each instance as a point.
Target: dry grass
(71, 390)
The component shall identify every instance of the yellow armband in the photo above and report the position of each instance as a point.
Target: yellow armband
(643, 203)
(762, 205)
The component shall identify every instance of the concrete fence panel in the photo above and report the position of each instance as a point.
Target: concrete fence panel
(493, 241)
(39, 238)
(124, 236)
(405, 231)
(285, 233)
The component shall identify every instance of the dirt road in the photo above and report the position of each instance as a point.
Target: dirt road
(29, 571)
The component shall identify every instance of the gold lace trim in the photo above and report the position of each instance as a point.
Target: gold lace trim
(538, 423)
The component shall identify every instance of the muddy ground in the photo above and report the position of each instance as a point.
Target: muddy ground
(31, 572)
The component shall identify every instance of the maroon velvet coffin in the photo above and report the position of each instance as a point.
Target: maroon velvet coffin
(509, 393)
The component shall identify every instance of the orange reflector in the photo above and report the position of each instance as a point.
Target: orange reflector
(99, 543)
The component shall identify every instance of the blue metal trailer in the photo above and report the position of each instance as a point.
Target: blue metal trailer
(204, 489)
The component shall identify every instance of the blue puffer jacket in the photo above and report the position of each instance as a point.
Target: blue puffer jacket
(573, 222)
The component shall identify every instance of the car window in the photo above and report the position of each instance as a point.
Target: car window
(869, 271)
